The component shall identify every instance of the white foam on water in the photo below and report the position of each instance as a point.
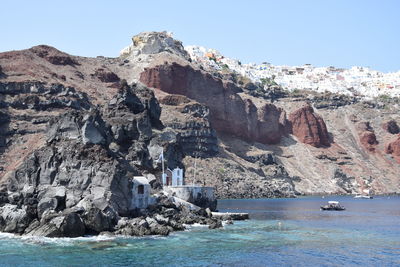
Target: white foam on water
(62, 241)
(195, 225)
(6, 235)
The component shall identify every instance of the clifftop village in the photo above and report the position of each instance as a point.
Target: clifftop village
(356, 81)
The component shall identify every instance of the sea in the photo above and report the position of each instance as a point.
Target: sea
(280, 232)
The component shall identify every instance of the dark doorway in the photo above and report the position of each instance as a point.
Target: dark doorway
(140, 189)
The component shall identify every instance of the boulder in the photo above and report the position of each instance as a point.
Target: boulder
(368, 140)
(97, 221)
(64, 225)
(13, 219)
(391, 127)
(106, 76)
(91, 135)
(393, 148)
(46, 204)
(215, 223)
(367, 136)
(309, 127)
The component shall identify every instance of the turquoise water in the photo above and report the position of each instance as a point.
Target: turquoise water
(290, 232)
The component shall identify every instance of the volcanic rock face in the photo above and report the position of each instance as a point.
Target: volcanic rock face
(229, 113)
(309, 127)
(39, 96)
(60, 187)
(391, 127)
(191, 127)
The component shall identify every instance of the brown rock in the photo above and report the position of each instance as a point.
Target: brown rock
(309, 127)
(368, 140)
(393, 148)
(367, 136)
(53, 55)
(106, 76)
(391, 127)
(229, 112)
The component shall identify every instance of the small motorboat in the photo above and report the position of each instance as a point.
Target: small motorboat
(363, 196)
(332, 205)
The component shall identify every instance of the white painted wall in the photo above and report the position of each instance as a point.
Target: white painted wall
(140, 201)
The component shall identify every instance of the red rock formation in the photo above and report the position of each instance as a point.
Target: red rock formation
(393, 148)
(229, 113)
(368, 140)
(391, 127)
(309, 127)
(367, 136)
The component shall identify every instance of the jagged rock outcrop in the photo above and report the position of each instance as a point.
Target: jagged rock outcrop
(40, 96)
(76, 184)
(347, 183)
(153, 43)
(391, 127)
(229, 112)
(309, 127)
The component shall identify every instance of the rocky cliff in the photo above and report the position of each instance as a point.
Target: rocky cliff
(229, 112)
(79, 181)
(75, 130)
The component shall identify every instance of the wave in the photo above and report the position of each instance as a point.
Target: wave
(56, 240)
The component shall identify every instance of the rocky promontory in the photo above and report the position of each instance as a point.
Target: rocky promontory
(75, 131)
(80, 181)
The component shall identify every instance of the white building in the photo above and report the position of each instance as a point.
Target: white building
(140, 193)
(173, 177)
(357, 81)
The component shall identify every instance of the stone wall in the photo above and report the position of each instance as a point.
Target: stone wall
(201, 196)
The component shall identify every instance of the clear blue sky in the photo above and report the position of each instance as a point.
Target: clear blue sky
(342, 33)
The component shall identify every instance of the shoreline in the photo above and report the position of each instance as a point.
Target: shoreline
(312, 195)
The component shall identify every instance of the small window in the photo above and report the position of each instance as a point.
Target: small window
(140, 189)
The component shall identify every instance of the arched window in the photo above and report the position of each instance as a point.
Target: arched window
(140, 189)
